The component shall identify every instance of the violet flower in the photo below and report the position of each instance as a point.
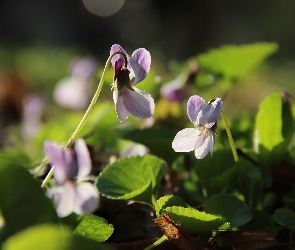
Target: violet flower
(204, 116)
(128, 99)
(71, 192)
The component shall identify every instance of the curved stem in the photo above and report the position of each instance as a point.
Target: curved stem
(235, 155)
(89, 109)
(157, 243)
(230, 138)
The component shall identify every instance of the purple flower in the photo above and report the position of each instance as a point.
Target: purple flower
(128, 99)
(201, 139)
(71, 192)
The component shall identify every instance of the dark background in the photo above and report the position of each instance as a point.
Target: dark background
(170, 29)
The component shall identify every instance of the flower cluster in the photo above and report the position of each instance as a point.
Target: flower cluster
(204, 116)
(71, 192)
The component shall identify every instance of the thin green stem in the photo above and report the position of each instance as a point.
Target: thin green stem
(89, 109)
(157, 243)
(230, 138)
(235, 155)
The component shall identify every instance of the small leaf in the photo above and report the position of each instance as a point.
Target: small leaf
(194, 220)
(94, 227)
(50, 237)
(234, 61)
(135, 177)
(285, 217)
(229, 208)
(22, 200)
(168, 201)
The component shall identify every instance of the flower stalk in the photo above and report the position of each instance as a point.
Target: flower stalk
(89, 109)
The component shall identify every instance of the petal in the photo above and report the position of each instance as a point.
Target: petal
(86, 198)
(138, 103)
(209, 115)
(202, 150)
(56, 158)
(115, 48)
(194, 105)
(64, 199)
(83, 158)
(121, 111)
(118, 66)
(186, 139)
(140, 62)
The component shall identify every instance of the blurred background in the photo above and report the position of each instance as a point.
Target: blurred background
(47, 47)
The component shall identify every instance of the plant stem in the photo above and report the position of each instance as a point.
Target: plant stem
(230, 138)
(89, 109)
(157, 243)
(235, 155)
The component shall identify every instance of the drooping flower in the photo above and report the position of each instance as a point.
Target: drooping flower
(204, 116)
(71, 193)
(128, 99)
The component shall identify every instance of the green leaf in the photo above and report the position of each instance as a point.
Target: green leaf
(285, 217)
(234, 61)
(157, 140)
(135, 177)
(95, 228)
(50, 237)
(269, 140)
(194, 220)
(229, 208)
(168, 201)
(22, 200)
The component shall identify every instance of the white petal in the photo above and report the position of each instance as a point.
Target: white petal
(185, 140)
(203, 149)
(121, 111)
(83, 158)
(86, 198)
(138, 103)
(64, 199)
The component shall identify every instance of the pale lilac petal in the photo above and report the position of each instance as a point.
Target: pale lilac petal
(186, 139)
(212, 141)
(121, 111)
(55, 155)
(83, 158)
(209, 115)
(194, 105)
(86, 198)
(140, 62)
(64, 199)
(138, 103)
(203, 149)
(115, 48)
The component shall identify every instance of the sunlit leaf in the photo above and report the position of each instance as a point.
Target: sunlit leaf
(22, 200)
(50, 237)
(168, 201)
(132, 178)
(94, 227)
(269, 140)
(229, 208)
(194, 220)
(234, 61)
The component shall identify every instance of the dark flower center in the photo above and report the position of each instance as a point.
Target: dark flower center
(122, 79)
